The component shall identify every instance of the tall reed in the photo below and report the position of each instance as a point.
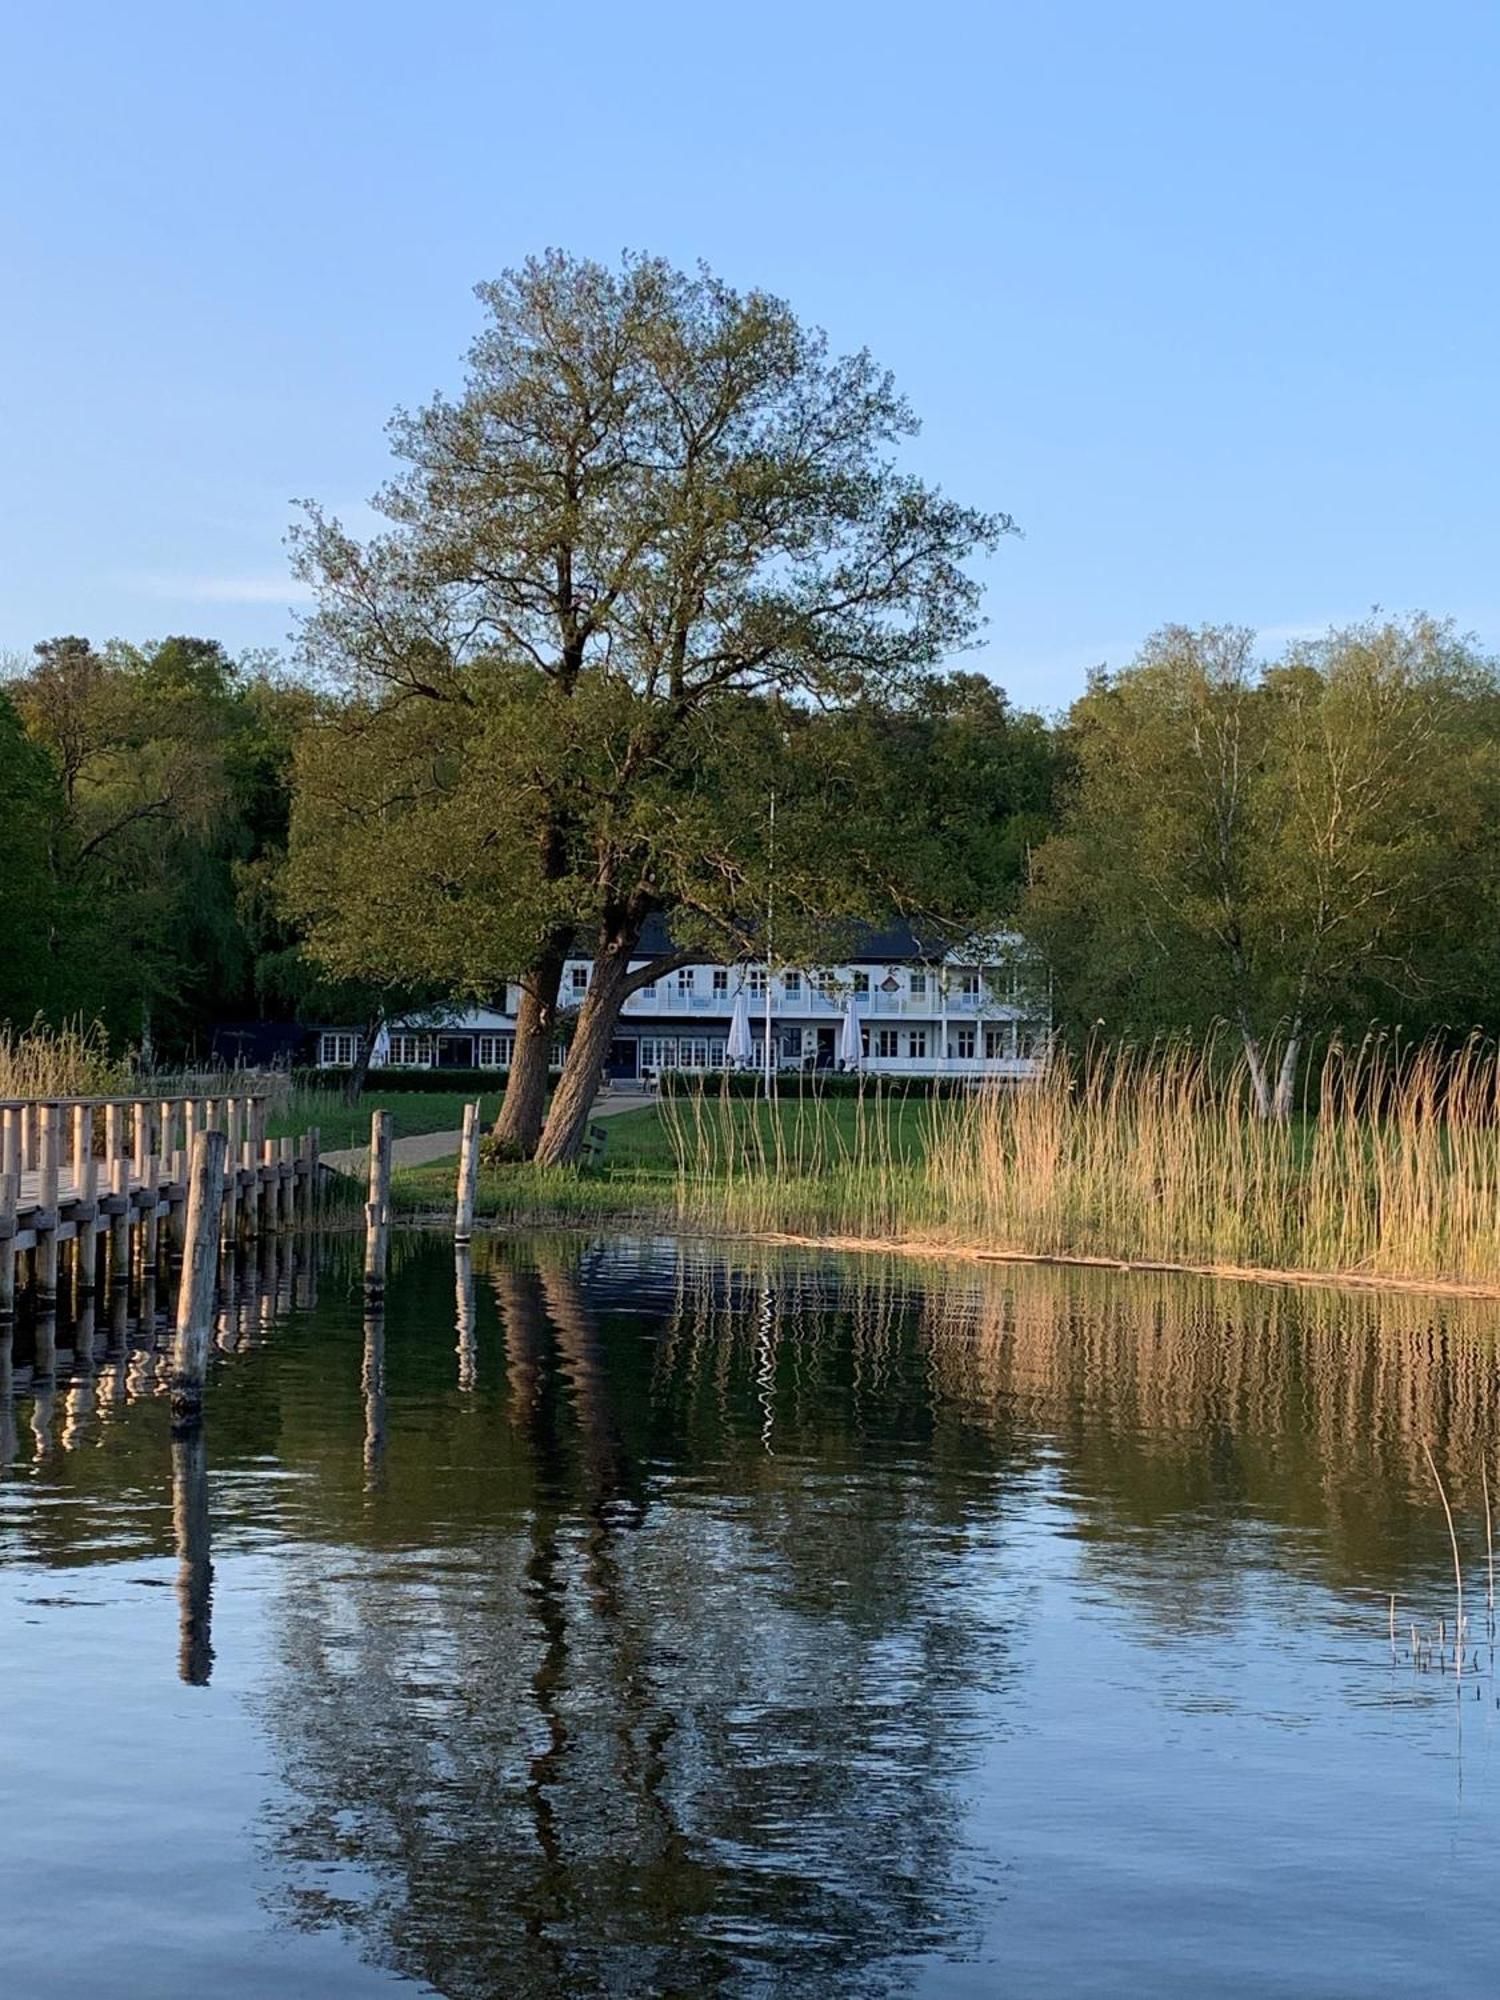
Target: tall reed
(1154, 1154)
(71, 1061)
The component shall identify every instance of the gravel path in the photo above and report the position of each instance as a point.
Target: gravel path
(425, 1147)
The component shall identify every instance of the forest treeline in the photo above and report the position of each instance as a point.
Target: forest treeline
(1311, 840)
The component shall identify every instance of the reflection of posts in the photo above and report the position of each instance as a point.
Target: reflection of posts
(372, 1381)
(378, 1208)
(195, 1299)
(195, 1653)
(7, 1394)
(44, 1381)
(463, 1286)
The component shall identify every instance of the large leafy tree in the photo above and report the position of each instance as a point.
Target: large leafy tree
(168, 762)
(31, 811)
(1292, 847)
(653, 492)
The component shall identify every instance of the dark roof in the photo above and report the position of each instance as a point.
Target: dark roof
(870, 944)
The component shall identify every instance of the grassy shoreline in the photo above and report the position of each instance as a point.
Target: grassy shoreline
(1153, 1160)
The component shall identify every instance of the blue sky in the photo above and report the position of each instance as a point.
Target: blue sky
(1205, 295)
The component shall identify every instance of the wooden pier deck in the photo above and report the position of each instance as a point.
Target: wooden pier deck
(96, 1171)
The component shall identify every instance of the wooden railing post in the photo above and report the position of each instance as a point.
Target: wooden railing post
(46, 1235)
(10, 1187)
(200, 1269)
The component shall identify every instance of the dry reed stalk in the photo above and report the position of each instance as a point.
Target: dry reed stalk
(1458, 1574)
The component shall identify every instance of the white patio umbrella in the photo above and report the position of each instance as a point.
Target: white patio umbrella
(380, 1048)
(739, 1047)
(851, 1045)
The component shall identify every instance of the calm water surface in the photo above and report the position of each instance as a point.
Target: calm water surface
(619, 1617)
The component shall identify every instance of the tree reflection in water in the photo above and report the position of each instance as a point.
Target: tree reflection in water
(643, 1723)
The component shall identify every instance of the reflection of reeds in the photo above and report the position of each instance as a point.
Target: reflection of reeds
(1147, 1155)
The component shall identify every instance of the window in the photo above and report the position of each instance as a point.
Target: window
(658, 1052)
(890, 984)
(823, 984)
(962, 1045)
(968, 985)
(791, 984)
(916, 1042)
(410, 1052)
(717, 1059)
(337, 1051)
(791, 1046)
(692, 1052)
(918, 985)
(687, 979)
(721, 979)
(495, 1051)
(864, 1043)
(578, 979)
(998, 1044)
(756, 981)
(886, 1042)
(861, 982)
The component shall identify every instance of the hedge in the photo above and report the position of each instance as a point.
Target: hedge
(791, 1084)
(481, 1082)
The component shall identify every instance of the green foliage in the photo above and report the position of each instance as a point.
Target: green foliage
(1296, 846)
(165, 780)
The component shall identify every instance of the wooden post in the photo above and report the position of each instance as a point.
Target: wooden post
(114, 1138)
(286, 1174)
(86, 1188)
(468, 1175)
(200, 1270)
(46, 1235)
(119, 1222)
(378, 1207)
(83, 1143)
(10, 1186)
(141, 1133)
(231, 1172)
(271, 1192)
(151, 1233)
(10, 1141)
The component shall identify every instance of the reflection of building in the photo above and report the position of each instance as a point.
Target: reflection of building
(921, 1013)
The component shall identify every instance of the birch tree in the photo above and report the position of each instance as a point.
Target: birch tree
(1288, 847)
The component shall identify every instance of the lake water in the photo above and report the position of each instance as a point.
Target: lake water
(626, 1617)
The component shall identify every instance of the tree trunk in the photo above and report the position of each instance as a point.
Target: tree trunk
(359, 1069)
(1286, 1076)
(1255, 1059)
(567, 1121)
(518, 1125)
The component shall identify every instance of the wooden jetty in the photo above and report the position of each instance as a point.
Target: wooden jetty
(106, 1173)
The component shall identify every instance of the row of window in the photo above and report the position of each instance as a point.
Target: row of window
(337, 1050)
(967, 984)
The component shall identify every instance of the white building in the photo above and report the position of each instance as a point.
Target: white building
(972, 1014)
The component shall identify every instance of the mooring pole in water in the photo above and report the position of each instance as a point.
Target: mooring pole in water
(200, 1270)
(378, 1207)
(468, 1175)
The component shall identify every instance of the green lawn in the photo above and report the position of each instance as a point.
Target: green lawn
(341, 1125)
(639, 1175)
